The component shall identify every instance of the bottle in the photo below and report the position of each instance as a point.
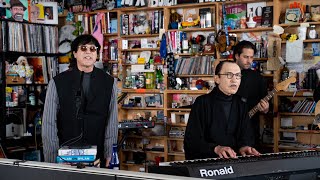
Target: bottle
(159, 78)
(114, 162)
(284, 73)
(307, 15)
(185, 43)
(113, 51)
(37, 123)
(312, 32)
(150, 80)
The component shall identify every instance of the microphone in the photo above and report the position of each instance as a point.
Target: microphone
(78, 95)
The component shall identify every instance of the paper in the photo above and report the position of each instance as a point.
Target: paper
(292, 135)
(124, 44)
(286, 122)
(294, 51)
(274, 52)
(144, 43)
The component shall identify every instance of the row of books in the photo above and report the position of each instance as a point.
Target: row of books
(109, 22)
(174, 39)
(304, 106)
(32, 38)
(142, 23)
(194, 65)
(52, 66)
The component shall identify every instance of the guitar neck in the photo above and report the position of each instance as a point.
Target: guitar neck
(255, 109)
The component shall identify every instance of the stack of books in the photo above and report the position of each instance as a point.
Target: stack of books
(68, 155)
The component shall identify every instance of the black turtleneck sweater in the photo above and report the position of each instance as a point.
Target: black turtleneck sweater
(216, 119)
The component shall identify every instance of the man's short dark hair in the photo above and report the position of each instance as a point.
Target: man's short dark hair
(219, 66)
(240, 46)
(82, 40)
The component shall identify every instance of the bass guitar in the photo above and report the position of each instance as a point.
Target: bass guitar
(279, 87)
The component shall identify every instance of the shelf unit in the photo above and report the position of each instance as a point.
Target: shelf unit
(124, 112)
(14, 46)
(303, 138)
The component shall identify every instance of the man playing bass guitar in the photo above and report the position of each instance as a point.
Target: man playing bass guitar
(253, 86)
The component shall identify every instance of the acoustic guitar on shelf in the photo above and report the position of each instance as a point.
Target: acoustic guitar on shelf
(279, 87)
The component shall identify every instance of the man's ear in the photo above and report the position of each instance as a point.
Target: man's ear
(74, 54)
(216, 79)
(236, 56)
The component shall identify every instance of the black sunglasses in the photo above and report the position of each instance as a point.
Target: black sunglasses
(84, 48)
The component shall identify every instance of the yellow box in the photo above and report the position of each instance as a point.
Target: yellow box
(141, 60)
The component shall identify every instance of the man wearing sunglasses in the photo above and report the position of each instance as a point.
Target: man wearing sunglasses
(218, 125)
(253, 86)
(80, 107)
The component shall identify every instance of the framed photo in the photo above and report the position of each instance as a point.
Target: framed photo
(50, 12)
(18, 10)
(37, 13)
(40, 74)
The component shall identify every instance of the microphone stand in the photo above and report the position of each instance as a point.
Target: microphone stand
(79, 97)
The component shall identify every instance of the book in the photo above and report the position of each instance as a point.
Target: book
(257, 11)
(66, 151)
(233, 14)
(267, 16)
(76, 158)
(113, 25)
(292, 16)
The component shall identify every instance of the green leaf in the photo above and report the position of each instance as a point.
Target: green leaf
(81, 29)
(75, 32)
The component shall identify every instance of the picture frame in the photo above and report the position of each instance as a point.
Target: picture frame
(209, 48)
(38, 63)
(50, 12)
(37, 13)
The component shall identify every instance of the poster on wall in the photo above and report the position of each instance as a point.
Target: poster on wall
(18, 10)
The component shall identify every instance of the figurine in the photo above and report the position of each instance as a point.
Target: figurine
(190, 22)
(142, 26)
(175, 19)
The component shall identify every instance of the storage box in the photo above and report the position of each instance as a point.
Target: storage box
(13, 78)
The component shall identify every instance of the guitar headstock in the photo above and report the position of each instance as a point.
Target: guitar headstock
(284, 84)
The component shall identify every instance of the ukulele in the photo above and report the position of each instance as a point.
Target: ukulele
(279, 87)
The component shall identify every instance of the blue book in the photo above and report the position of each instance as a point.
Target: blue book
(83, 158)
(113, 26)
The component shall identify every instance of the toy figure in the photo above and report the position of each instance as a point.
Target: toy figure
(142, 26)
(175, 18)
